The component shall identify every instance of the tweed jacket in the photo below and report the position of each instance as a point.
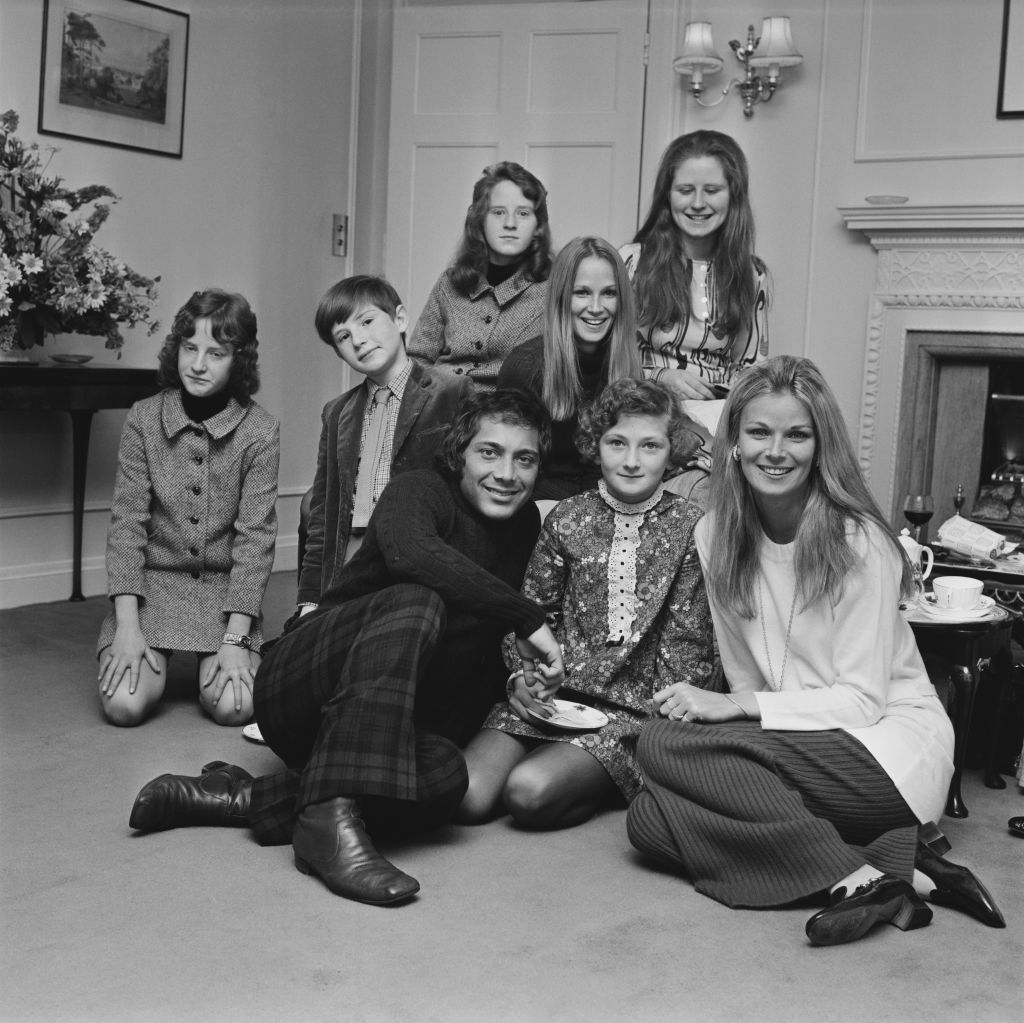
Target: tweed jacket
(471, 336)
(194, 520)
(428, 407)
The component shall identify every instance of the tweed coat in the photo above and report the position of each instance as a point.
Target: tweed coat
(471, 336)
(428, 408)
(193, 521)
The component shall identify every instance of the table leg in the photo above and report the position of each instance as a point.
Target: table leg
(962, 691)
(81, 423)
(1001, 667)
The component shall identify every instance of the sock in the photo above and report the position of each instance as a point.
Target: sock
(860, 876)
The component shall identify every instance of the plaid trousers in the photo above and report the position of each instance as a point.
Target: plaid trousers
(755, 817)
(335, 700)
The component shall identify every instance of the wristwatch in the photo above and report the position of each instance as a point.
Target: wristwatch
(236, 639)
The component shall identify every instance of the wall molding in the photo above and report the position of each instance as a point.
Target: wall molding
(955, 268)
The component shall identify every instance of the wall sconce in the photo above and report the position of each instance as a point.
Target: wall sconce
(772, 51)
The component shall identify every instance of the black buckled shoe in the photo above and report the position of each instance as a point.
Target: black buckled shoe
(1015, 825)
(883, 900)
(331, 843)
(219, 797)
(956, 887)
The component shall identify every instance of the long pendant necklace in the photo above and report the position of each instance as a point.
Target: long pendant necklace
(764, 635)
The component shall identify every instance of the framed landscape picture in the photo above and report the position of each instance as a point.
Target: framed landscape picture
(113, 72)
(1011, 61)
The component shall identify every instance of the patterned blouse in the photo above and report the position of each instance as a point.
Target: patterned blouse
(693, 344)
(624, 595)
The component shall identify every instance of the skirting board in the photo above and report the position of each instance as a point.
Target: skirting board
(47, 581)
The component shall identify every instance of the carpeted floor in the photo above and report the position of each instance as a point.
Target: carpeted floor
(201, 925)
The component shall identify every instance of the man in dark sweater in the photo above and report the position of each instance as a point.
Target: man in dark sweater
(368, 698)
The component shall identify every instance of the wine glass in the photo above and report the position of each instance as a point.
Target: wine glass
(918, 509)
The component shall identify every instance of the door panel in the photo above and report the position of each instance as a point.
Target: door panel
(556, 87)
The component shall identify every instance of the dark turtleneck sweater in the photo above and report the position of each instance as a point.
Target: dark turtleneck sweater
(201, 409)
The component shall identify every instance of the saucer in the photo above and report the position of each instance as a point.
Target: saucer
(573, 717)
(983, 609)
(70, 359)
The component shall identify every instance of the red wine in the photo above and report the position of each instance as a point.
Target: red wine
(918, 518)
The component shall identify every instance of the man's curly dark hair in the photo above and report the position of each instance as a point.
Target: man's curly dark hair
(507, 405)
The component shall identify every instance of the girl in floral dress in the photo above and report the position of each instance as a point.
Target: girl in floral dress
(616, 572)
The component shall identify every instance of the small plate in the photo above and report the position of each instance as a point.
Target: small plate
(70, 359)
(253, 734)
(573, 717)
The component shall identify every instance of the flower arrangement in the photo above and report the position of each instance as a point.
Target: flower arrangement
(52, 277)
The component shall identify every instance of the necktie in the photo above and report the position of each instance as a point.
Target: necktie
(372, 448)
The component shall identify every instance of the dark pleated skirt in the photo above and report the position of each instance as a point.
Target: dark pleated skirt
(763, 818)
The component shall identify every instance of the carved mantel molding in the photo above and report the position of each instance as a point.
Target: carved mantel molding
(964, 259)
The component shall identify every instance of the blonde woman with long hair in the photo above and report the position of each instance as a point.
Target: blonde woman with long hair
(589, 341)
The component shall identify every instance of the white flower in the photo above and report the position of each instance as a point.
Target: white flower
(31, 262)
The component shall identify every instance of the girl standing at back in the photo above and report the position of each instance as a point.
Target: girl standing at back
(492, 297)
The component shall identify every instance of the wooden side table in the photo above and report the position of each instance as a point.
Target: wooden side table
(972, 648)
(80, 391)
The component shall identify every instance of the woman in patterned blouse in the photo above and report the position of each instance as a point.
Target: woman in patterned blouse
(616, 572)
(492, 296)
(701, 291)
(193, 523)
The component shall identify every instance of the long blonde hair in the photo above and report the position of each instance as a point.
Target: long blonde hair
(836, 494)
(561, 390)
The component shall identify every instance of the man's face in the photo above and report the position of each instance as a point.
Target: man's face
(502, 462)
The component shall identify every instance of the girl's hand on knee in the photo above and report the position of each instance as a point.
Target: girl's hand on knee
(125, 655)
(232, 667)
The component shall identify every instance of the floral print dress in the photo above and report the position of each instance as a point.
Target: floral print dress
(623, 592)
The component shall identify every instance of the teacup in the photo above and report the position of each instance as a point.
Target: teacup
(957, 592)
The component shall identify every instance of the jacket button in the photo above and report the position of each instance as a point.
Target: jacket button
(488, 318)
(193, 551)
(478, 344)
(197, 491)
(459, 370)
(195, 575)
(199, 459)
(198, 431)
(194, 519)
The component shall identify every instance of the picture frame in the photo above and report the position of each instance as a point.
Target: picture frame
(113, 73)
(1011, 61)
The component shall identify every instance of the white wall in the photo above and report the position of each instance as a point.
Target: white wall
(266, 162)
(894, 96)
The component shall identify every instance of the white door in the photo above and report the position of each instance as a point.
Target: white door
(556, 87)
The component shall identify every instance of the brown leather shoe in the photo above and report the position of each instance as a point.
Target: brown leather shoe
(331, 843)
(219, 797)
(883, 900)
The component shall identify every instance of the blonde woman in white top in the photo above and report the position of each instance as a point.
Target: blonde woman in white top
(815, 770)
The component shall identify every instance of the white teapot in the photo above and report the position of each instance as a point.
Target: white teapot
(917, 552)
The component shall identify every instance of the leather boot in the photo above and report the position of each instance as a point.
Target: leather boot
(219, 797)
(330, 841)
(957, 888)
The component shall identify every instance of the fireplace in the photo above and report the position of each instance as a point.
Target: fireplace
(945, 332)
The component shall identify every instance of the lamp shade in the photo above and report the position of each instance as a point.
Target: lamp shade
(698, 50)
(776, 46)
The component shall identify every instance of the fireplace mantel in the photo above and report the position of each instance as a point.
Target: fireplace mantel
(939, 268)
